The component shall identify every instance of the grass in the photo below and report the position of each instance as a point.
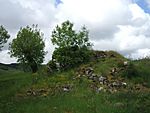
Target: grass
(14, 85)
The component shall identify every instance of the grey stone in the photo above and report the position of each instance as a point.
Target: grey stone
(89, 71)
(65, 89)
(102, 80)
(125, 63)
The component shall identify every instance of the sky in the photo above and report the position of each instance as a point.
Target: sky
(120, 25)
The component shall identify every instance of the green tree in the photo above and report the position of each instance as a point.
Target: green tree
(72, 48)
(28, 47)
(65, 36)
(4, 36)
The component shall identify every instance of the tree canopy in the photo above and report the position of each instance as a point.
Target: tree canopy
(66, 36)
(28, 47)
(73, 48)
(4, 36)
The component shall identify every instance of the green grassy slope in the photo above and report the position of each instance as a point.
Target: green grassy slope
(36, 93)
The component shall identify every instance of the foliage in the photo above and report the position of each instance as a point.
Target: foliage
(4, 36)
(65, 36)
(28, 47)
(73, 47)
(69, 57)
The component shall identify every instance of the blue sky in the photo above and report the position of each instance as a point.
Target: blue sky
(57, 2)
(144, 5)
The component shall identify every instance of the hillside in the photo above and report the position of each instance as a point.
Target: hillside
(9, 66)
(109, 83)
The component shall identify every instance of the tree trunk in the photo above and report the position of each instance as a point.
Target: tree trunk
(34, 67)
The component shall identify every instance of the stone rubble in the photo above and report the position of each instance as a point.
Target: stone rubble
(111, 85)
(38, 92)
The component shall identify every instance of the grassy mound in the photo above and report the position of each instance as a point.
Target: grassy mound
(73, 91)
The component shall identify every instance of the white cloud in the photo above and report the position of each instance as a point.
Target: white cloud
(119, 25)
(5, 57)
(100, 16)
(141, 53)
(19, 13)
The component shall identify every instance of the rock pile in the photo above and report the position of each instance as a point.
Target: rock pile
(51, 90)
(100, 54)
(37, 92)
(115, 70)
(102, 82)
